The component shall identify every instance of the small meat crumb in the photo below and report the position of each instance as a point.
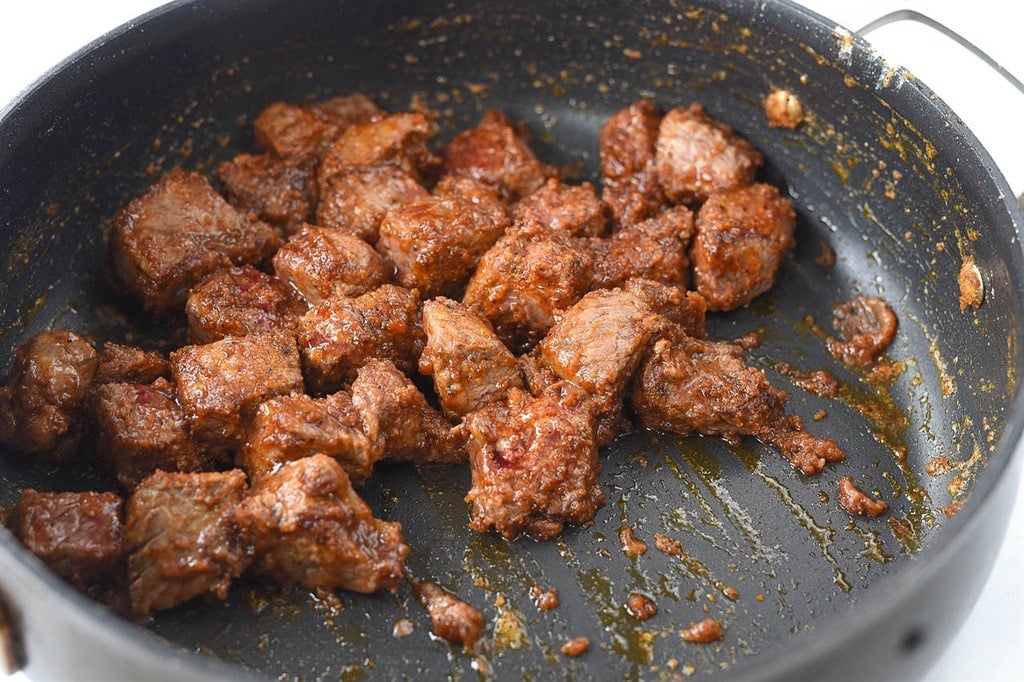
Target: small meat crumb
(703, 631)
(450, 618)
(641, 606)
(667, 545)
(731, 592)
(576, 646)
(972, 289)
(826, 257)
(784, 109)
(545, 600)
(858, 502)
(403, 628)
(630, 545)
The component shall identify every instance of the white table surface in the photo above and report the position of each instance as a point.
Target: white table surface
(37, 34)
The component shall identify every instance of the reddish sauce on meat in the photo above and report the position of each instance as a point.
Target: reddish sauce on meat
(856, 501)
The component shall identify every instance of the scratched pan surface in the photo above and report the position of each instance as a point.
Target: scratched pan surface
(882, 173)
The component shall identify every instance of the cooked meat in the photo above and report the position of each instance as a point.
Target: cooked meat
(305, 132)
(239, 302)
(866, 326)
(641, 607)
(742, 236)
(534, 465)
(128, 364)
(397, 419)
(42, 401)
(339, 334)
(653, 249)
(545, 600)
(629, 175)
(704, 631)
(783, 109)
(355, 201)
(177, 233)
(78, 535)
(856, 501)
(475, 191)
(321, 261)
(347, 110)
(295, 426)
(307, 526)
(697, 156)
(806, 452)
(140, 428)
(281, 192)
(221, 384)
(575, 209)
(494, 153)
(687, 309)
(181, 538)
(436, 243)
(525, 281)
(451, 619)
(577, 646)
(393, 140)
(470, 365)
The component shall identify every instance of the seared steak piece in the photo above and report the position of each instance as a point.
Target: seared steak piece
(534, 464)
(291, 427)
(127, 364)
(281, 192)
(347, 110)
(41, 404)
(140, 428)
(525, 281)
(307, 526)
(494, 153)
(175, 234)
(629, 178)
(474, 191)
(78, 535)
(393, 140)
(575, 209)
(181, 538)
(451, 619)
(355, 201)
(686, 309)
(742, 236)
(240, 302)
(654, 249)
(321, 262)
(221, 384)
(436, 243)
(338, 335)
(305, 132)
(470, 365)
(397, 419)
(697, 156)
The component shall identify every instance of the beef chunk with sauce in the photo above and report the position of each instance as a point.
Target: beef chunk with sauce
(78, 535)
(356, 200)
(653, 249)
(697, 156)
(856, 501)
(307, 526)
(629, 176)
(340, 334)
(742, 236)
(42, 403)
(304, 132)
(398, 140)
(320, 262)
(281, 192)
(575, 209)
(221, 384)
(451, 619)
(178, 232)
(119, 363)
(240, 302)
(181, 538)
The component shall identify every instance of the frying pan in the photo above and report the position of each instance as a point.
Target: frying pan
(882, 172)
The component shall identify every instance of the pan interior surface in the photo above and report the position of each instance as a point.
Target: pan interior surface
(766, 550)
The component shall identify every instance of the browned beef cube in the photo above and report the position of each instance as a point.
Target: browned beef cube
(653, 249)
(308, 526)
(470, 365)
(221, 384)
(475, 191)
(347, 110)
(393, 140)
(356, 200)
(281, 192)
(78, 535)
(291, 427)
(127, 364)
(436, 243)
(494, 153)
(178, 232)
(398, 420)
(538, 483)
(742, 236)
(305, 132)
(140, 428)
(339, 334)
(239, 302)
(575, 209)
(629, 177)
(525, 281)
(181, 538)
(41, 404)
(697, 155)
(321, 262)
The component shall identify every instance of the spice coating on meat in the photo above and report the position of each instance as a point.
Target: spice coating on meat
(392, 140)
(742, 236)
(42, 401)
(575, 209)
(181, 538)
(78, 535)
(356, 200)
(866, 326)
(629, 178)
(308, 526)
(697, 156)
(856, 501)
(451, 619)
(305, 132)
(321, 261)
(654, 249)
(282, 193)
(127, 364)
(241, 302)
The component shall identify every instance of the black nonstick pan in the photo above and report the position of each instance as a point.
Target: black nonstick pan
(881, 172)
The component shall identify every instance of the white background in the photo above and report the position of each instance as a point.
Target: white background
(36, 34)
